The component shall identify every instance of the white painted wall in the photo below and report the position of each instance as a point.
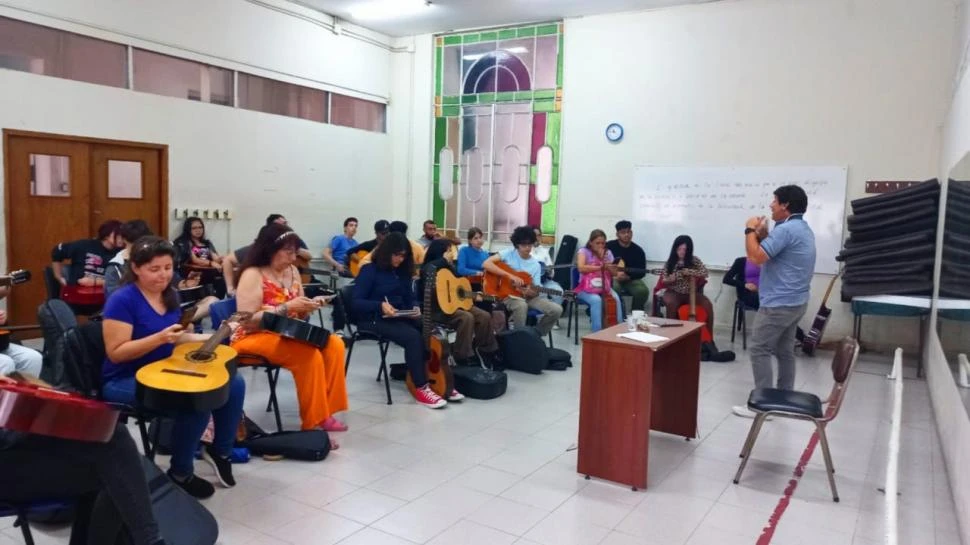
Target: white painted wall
(250, 162)
(952, 421)
(755, 82)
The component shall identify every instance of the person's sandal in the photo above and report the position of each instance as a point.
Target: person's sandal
(332, 424)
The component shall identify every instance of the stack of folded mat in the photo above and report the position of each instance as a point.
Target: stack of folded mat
(892, 243)
(955, 272)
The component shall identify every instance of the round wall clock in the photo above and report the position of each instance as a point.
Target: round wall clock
(614, 132)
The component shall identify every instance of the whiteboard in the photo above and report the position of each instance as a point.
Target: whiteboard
(711, 204)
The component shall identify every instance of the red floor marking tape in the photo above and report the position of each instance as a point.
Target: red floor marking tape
(769, 531)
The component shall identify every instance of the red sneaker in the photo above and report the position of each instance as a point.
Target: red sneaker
(425, 396)
(455, 395)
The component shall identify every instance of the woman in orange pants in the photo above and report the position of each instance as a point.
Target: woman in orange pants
(271, 283)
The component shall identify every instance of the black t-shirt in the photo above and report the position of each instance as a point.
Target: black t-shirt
(367, 246)
(632, 257)
(88, 258)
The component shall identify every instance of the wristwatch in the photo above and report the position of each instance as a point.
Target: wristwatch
(748, 230)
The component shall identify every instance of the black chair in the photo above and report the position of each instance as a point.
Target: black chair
(354, 334)
(771, 402)
(23, 511)
(573, 307)
(84, 354)
(740, 323)
(220, 312)
(51, 284)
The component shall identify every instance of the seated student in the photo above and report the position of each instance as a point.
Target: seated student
(269, 282)
(141, 327)
(88, 257)
(417, 250)
(381, 228)
(744, 276)
(520, 259)
(429, 233)
(542, 255)
(474, 326)
(629, 282)
(336, 252)
(131, 231)
(193, 248)
(681, 268)
(38, 468)
(383, 287)
(302, 249)
(471, 258)
(17, 358)
(596, 279)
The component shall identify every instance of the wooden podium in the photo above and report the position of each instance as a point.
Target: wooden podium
(629, 388)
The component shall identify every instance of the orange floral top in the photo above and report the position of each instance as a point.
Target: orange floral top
(274, 295)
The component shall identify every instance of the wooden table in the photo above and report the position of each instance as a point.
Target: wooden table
(629, 388)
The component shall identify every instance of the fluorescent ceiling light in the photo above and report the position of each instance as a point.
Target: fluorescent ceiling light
(388, 9)
(477, 56)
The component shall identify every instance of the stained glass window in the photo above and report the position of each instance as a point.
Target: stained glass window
(498, 100)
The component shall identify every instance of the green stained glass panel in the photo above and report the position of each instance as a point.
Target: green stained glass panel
(544, 93)
(546, 30)
(450, 111)
(559, 64)
(544, 106)
(440, 137)
(526, 31)
(549, 211)
(469, 99)
(489, 36)
(438, 69)
(471, 38)
(504, 97)
(450, 100)
(453, 40)
(507, 34)
(553, 125)
(438, 204)
(523, 96)
(486, 98)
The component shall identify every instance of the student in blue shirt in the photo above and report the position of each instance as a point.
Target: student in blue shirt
(471, 258)
(787, 259)
(520, 258)
(141, 327)
(336, 252)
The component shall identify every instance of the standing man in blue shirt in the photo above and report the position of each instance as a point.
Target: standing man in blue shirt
(787, 259)
(336, 252)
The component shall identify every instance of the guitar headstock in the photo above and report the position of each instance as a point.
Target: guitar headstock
(15, 277)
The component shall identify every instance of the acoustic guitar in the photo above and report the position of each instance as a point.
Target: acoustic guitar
(74, 294)
(690, 313)
(195, 378)
(353, 262)
(455, 293)
(12, 279)
(298, 330)
(437, 363)
(501, 287)
(814, 337)
(31, 406)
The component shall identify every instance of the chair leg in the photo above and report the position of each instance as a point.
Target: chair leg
(568, 311)
(575, 320)
(154, 442)
(384, 346)
(550, 340)
(827, 455)
(273, 375)
(350, 350)
(24, 525)
(734, 323)
(146, 442)
(749, 444)
(744, 329)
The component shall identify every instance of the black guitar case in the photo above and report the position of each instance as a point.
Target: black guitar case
(182, 520)
(307, 445)
(559, 359)
(523, 350)
(564, 256)
(478, 382)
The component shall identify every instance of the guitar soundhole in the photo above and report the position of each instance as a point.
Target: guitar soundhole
(200, 357)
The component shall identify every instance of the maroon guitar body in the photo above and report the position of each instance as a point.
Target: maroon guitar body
(30, 408)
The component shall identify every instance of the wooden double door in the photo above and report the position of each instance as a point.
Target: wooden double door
(61, 188)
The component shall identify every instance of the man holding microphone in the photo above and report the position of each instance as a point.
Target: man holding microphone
(787, 258)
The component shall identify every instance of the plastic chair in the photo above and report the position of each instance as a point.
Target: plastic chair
(220, 312)
(804, 406)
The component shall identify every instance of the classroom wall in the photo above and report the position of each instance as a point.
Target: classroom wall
(952, 420)
(755, 82)
(250, 162)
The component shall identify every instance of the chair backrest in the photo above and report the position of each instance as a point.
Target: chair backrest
(84, 355)
(573, 277)
(51, 284)
(843, 362)
(346, 295)
(565, 253)
(220, 311)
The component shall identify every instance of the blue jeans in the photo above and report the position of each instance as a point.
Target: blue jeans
(189, 426)
(595, 302)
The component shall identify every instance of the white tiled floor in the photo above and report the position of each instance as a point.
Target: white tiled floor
(502, 471)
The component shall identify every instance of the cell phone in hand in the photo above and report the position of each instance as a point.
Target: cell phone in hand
(188, 313)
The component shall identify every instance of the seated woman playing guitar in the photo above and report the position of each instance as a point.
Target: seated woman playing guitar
(596, 279)
(141, 326)
(197, 254)
(683, 267)
(382, 288)
(270, 282)
(37, 468)
(473, 326)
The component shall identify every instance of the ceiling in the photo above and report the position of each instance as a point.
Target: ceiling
(445, 15)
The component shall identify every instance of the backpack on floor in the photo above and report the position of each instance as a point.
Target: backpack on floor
(55, 319)
(523, 350)
(308, 445)
(709, 352)
(559, 359)
(480, 382)
(182, 520)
